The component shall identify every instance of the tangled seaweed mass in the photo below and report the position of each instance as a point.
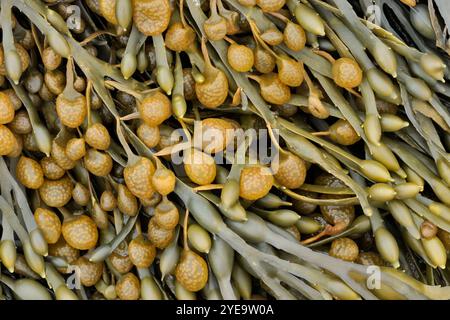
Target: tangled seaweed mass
(224, 149)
